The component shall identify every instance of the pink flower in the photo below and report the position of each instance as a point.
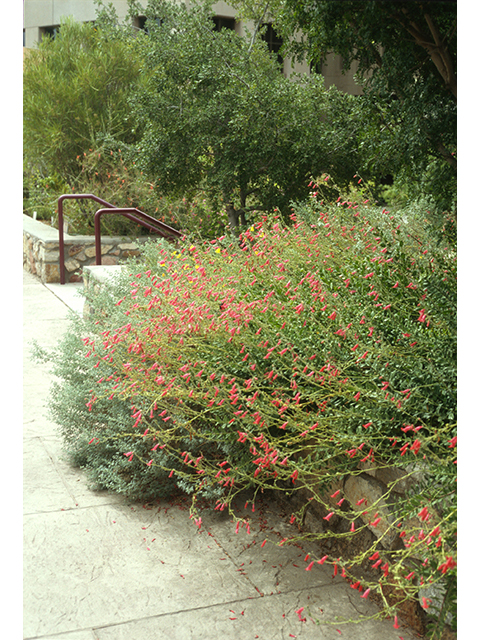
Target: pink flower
(327, 517)
(416, 446)
(332, 316)
(299, 614)
(448, 564)
(422, 317)
(395, 623)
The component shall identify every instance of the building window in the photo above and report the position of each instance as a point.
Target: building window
(274, 41)
(141, 23)
(223, 23)
(49, 32)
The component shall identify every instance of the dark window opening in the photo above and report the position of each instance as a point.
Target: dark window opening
(274, 41)
(49, 32)
(140, 23)
(223, 23)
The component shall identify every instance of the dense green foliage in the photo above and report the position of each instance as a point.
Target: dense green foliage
(78, 125)
(287, 359)
(179, 114)
(406, 58)
(75, 93)
(218, 115)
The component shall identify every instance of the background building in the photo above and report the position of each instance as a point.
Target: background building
(43, 17)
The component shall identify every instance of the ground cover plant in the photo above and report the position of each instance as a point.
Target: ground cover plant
(290, 358)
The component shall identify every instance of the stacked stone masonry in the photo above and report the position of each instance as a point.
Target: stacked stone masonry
(41, 252)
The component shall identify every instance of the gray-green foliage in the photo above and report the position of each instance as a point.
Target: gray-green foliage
(96, 437)
(108, 422)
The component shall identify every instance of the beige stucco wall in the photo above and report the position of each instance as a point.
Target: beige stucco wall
(332, 71)
(49, 13)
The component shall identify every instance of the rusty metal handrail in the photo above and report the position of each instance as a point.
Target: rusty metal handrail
(132, 214)
(61, 246)
(147, 222)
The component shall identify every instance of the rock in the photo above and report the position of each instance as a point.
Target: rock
(363, 486)
(109, 260)
(50, 273)
(74, 249)
(72, 265)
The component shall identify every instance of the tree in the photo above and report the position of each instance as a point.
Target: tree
(406, 55)
(75, 93)
(218, 114)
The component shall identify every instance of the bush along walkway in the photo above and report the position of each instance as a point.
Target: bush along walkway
(315, 361)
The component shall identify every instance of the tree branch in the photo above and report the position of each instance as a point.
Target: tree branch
(437, 50)
(257, 27)
(441, 58)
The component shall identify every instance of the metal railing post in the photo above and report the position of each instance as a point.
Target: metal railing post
(61, 246)
(133, 214)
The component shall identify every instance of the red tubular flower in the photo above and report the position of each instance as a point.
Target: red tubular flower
(423, 514)
(448, 564)
(416, 446)
(299, 614)
(422, 317)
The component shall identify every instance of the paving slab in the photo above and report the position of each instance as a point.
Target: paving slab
(108, 568)
(268, 618)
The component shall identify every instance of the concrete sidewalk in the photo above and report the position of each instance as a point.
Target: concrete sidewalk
(98, 568)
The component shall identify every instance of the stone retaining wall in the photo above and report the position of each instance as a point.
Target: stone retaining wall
(41, 254)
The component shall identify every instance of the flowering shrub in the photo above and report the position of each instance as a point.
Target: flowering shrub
(293, 358)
